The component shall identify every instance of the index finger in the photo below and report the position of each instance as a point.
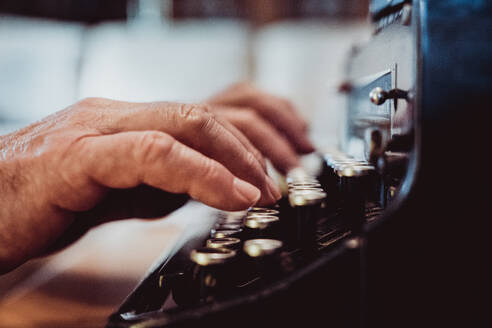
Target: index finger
(158, 160)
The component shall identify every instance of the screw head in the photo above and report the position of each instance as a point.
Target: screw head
(378, 96)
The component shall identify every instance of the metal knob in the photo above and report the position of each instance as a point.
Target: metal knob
(378, 96)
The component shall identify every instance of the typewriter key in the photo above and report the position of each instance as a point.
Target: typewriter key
(297, 188)
(262, 247)
(354, 184)
(331, 182)
(231, 217)
(333, 190)
(337, 167)
(223, 233)
(258, 214)
(298, 198)
(262, 210)
(307, 204)
(261, 226)
(229, 243)
(228, 226)
(334, 161)
(296, 175)
(304, 184)
(212, 273)
(265, 256)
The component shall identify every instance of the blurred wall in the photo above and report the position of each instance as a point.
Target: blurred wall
(46, 65)
(39, 68)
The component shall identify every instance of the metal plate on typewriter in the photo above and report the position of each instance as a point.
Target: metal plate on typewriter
(366, 120)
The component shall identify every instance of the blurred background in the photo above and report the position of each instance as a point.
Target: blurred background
(55, 52)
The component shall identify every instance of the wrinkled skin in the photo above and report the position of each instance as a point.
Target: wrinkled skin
(101, 160)
(271, 123)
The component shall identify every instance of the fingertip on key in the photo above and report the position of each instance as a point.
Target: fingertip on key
(246, 191)
(306, 146)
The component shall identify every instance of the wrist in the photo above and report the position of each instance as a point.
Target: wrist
(8, 258)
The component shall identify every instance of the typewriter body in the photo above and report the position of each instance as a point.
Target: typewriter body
(378, 237)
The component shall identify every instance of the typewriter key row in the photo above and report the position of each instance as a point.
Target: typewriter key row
(350, 184)
(246, 247)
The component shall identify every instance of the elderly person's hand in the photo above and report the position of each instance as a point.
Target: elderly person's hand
(100, 160)
(270, 122)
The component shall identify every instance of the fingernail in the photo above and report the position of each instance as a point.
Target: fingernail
(247, 192)
(273, 188)
(307, 146)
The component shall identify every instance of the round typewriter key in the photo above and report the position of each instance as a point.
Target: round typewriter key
(261, 222)
(304, 184)
(264, 254)
(228, 226)
(306, 180)
(334, 161)
(354, 185)
(351, 170)
(262, 210)
(235, 216)
(229, 243)
(261, 226)
(223, 233)
(307, 204)
(301, 178)
(332, 181)
(356, 168)
(231, 217)
(212, 273)
(315, 189)
(211, 256)
(258, 214)
(306, 197)
(262, 247)
(222, 222)
(296, 174)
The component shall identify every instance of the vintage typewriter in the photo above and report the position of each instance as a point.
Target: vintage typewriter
(376, 239)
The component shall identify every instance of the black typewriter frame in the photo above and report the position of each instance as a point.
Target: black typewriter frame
(419, 264)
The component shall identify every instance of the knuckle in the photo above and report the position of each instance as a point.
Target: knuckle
(152, 145)
(198, 117)
(210, 171)
(89, 102)
(191, 111)
(205, 108)
(252, 159)
(257, 154)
